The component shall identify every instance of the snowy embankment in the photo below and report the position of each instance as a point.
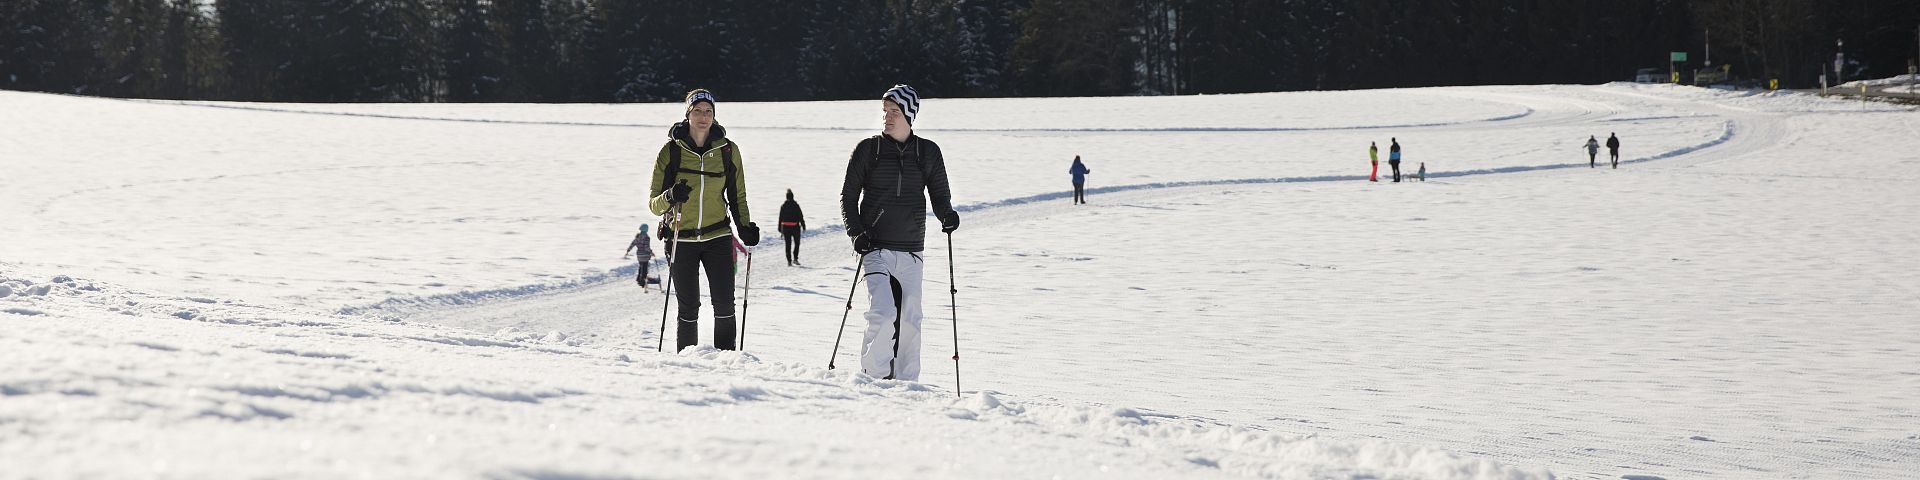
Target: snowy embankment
(1896, 80)
(104, 381)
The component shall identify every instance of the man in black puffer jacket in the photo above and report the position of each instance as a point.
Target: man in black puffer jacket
(890, 179)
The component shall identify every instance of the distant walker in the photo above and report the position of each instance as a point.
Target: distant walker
(1079, 172)
(1613, 148)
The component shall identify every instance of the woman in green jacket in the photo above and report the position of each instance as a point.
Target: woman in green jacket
(699, 171)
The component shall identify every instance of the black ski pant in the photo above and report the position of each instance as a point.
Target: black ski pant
(716, 256)
(791, 240)
(1079, 192)
(1591, 159)
(1616, 158)
(642, 277)
(1396, 170)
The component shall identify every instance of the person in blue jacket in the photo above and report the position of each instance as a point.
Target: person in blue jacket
(1393, 159)
(1079, 171)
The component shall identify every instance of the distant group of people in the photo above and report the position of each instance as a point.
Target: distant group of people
(1393, 160)
(1613, 150)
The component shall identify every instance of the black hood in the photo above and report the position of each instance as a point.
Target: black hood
(679, 132)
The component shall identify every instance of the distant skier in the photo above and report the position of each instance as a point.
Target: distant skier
(1393, 159)
(792, 223)
(699, 170)
(1613, 149)
(890, 180)
(1079, 172)
(1423, 172)
(643, 246)
(1373, 156)
(1593, 151)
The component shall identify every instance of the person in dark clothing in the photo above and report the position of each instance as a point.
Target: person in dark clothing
(1079, 172)
(1613, 149)
(791, 224)
(890, 180)
(643, 246)
(1393, 159)
(699, 171)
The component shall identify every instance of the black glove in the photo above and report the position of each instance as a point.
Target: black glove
(750, 234)
(949, 222)
(863, 244)
(678, 193)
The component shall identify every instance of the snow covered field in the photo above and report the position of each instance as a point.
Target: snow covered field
(233, 290)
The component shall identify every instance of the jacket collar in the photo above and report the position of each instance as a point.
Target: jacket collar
(681, 132)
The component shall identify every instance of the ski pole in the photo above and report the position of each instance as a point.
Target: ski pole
(673, 219)
(861, 264)
(744, 298)
(953, 289)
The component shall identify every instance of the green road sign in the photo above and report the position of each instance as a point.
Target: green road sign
(1679, 56)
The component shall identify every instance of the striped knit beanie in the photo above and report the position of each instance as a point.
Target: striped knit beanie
(908, 99)
(699, 95)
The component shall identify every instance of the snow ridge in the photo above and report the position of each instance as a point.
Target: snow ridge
(311, 383)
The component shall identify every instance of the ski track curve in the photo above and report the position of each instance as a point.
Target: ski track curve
(1742, 133)
(1525, 113)
(42, 209)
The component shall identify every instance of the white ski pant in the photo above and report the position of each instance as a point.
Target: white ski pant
(891, 347)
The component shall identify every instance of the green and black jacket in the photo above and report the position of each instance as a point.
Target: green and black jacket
(719, 184)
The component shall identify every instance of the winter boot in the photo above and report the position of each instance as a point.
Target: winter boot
(689, 333)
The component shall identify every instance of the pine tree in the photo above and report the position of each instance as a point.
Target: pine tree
(46, 45)
(472, 54)
(1075, 47)
(533, 54)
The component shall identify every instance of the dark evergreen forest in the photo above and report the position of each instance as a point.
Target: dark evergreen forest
(642, 51)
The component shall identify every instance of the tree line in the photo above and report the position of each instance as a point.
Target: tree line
(642, 51)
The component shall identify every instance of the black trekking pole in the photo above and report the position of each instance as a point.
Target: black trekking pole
(953, 289)
(861, 264)
(673, 219)
(744, 298)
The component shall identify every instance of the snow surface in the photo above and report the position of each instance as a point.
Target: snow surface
(1884, 82)
(192, 290)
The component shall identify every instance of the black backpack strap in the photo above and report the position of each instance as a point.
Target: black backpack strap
(727, 159)
(922, 160)
(673, 167)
